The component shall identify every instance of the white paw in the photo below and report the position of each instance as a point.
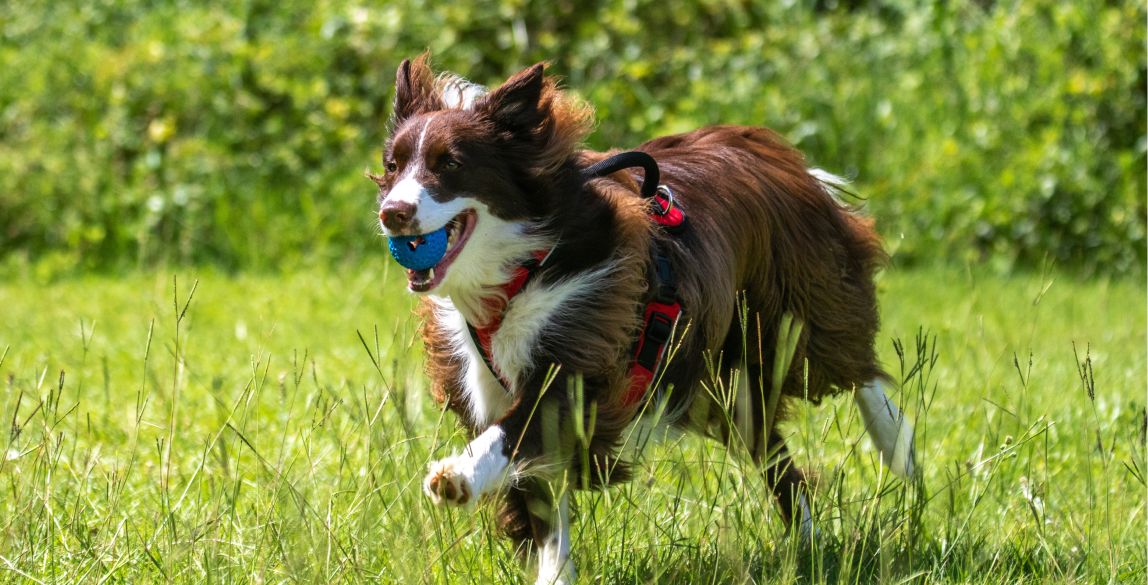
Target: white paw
(464, 478)
(446, 484)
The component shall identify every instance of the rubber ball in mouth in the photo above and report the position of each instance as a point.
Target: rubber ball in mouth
(419, 252)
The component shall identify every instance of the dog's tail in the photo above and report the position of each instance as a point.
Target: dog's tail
(890, 431)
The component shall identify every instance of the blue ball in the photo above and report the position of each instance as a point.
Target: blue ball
(419, 252)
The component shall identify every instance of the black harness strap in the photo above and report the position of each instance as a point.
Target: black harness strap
(664, 211)
(626, 160)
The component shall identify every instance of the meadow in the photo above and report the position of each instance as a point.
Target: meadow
(192, 426)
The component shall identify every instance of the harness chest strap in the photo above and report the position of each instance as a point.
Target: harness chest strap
(659, 317)
(482, 336)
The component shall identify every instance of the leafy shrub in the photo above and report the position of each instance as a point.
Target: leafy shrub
(135, 132)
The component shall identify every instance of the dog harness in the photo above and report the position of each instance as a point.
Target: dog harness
(481, 336)
(659, 316)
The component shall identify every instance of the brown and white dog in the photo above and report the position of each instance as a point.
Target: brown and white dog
(767, 244)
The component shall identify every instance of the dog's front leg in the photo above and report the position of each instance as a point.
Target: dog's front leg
(530, 432)
(481, 468)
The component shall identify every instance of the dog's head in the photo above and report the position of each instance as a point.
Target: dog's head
(480, 163)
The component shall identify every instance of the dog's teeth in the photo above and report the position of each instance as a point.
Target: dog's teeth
(430, 274)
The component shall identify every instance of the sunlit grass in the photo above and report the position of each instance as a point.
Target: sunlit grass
(279, 432)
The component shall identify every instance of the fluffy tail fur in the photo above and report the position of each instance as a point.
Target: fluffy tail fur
(890, 431)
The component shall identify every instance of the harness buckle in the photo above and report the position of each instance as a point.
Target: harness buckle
(666, 212)
(659, 329)
(655, 336)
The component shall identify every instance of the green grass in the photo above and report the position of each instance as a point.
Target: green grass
(276, 429)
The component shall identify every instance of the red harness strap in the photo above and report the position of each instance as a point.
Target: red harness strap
(659, 317)
(482, 335)
(658, 321)
(650, 348)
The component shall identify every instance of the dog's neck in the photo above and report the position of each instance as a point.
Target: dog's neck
(485, 303)
(580, 233)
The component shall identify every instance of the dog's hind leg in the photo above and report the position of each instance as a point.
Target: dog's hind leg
(788, 485)
(750, 426)
(890, 431)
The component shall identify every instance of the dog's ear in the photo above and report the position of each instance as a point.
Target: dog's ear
(515, 104)
(415, 89)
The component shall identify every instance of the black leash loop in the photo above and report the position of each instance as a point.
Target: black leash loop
(627, 160)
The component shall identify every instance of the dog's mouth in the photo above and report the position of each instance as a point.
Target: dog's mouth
(458, 231)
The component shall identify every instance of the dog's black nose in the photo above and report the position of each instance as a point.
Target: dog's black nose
(397, 216)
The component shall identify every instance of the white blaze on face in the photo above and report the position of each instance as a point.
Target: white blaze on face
(408, 190)
(430, 215)
(806, 526)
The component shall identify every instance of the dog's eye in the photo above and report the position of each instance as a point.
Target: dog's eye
(392, 166)
(450, 164)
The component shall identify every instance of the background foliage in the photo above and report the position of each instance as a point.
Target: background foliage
(235, 133)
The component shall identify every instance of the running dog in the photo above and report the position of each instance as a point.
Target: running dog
(576, 296)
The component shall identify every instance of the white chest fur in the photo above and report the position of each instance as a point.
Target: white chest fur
(515, 344)
(485, 396)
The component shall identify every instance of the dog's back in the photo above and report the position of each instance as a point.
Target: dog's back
(768, 232)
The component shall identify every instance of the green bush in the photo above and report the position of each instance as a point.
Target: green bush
(136, 132)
